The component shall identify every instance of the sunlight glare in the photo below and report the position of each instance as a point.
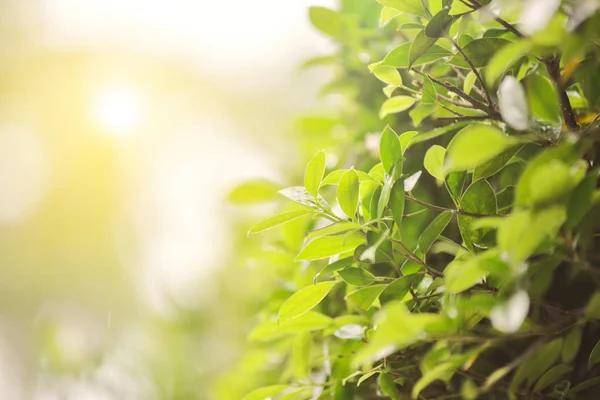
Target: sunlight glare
(119, 111)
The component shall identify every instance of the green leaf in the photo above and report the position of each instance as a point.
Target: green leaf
(455, 184)
(438, 132)
(315, 169)
(434, 161)
(396, 203)
(584, 386)
(367, 376)
(429, 94)
(405, 139)
(551, 376)
(419, 46)
(386, 73)
(357, 276)
(550, 183)
(388, 386)
(269, 330)
(440, 371)
(301, 355)
(365, 297)
(387, 14)
(253, 192)
(537, 364)
(278, 220)
(334, 229)
(300, 195)
(399, 56)
(572, 343)
(433, 231)
(439, 24)
(266, 392)
(462, 275)
(304, 300)
(335, 176)
(414, 7)
(592, 310)
(594, 356)
(543, 98)
(328, 246)
(479, 51)
(347, 193)
(469, 82)
(504, 58)
(395, 105)
(399, 288)
(475, 145)
(419, 113)
(334, 266)
(479, 198)
(389, 149)
(494, 165)
(326, 21)
(581, 201)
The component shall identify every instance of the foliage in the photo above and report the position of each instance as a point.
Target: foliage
(478, 278)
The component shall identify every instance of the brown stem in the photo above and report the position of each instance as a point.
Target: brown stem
(553, 67)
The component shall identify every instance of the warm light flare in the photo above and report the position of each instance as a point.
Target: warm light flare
(119, 111)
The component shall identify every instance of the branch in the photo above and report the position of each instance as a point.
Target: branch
(444, 209)
(469, 118)
(454, 102)
(553, 67)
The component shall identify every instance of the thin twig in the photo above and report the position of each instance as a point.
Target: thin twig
(452, 111)
(413, 257)
(454, 102)
(444, 209)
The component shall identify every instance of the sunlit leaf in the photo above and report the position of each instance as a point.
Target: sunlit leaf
(435, 229)
(304, 300)
(265, 392)
(414, 7)
(479, 51)
(434, 161)
(395, 105)
(399, 56)
(389, 149)
(328, 246)
(357, 276)
(278, 220)
(386, 74)
(440, 23)
(326, 21)
(388, 386)
(347, 193)
(504, 58)
(334, 229)
(365, 297)
(419, 46)
(253, 192)
(315, 169)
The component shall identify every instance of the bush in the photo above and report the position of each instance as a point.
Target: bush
(459, 256)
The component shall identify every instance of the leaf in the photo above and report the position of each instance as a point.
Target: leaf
(367, 376)
(326, 21)
(334, 266)
(419, 46)
(572, 343)
(365, 297)
(347, 193)
(479, 198)
(508, 317)
(434, 161)
(399, 56)
(253, 192)
(543, 99)
(388, 386)
(537, 14)
(440, 371)
(414, 7)
(390, 151)
(513, 103)
(504, 58)
(395, 104)
(455, 184)
(584, 385)
(438, 132)
(301, 355)
(399, 288)
(429, 95)
(469, 82)
(304, 300)
(479, 51)
(277, 220)
(550, 183)
(440, 23)
(387, 14)
(334, 229)
(433, 231)
(300, 195)
(328, 246)
(269, 330)
(357, 276)
(315, 169)
(536, 364)
(386, 74)
(335, 176)
(592, 311)
(266, 392)
(419, 113)
(475, 145)
(462, 275)
(396, 203)
(405, 139)
(551, 376)
(384, 197)
(581, 201)
(494, 165)
(411, 181)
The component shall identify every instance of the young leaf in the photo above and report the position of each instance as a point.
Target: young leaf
(434, 161)
(315, 169)
(389, 149)
(419, 46)
(328, 246)
(434, 230)
(365, 297)
(504, 58)
(396, 104)
(325, 20)
(300, 195)
(357, 276)
(475, 145)
(304, 300)
(414, 7)
(405, 139)
(386, 74)
(513, 104)
(278, 220)
(387, 14)
(334, 229)
(347, 193)
(469, 82)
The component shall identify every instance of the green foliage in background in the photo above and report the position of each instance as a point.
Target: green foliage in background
(446, 244)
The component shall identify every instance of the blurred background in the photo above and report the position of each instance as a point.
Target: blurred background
(123, 126)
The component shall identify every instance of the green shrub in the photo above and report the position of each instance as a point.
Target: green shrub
(457, 254)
